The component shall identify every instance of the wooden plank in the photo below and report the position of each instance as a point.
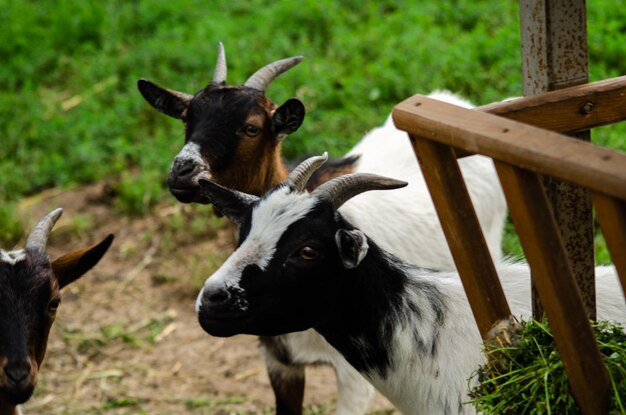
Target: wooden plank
(567, 110)
(611, 214)
(462, 230)
(554, 279)
(573, 213)
(542, 151)
(570, 109)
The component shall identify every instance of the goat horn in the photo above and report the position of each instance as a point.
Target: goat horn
(219, 76)
(38, 236)
(262, 78)
(300, 175)
(341, 189)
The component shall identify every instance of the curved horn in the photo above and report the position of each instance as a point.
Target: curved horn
(300, 175)
(230, 203)
(262, 78)
(341, 189)
(38, 236)
(219, 76)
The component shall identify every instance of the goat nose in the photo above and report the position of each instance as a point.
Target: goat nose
(17, 372)
(183, 168)
(217, 298)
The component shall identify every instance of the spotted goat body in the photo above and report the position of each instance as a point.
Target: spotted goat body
(30, 285)
(233, 136)
(301, 264)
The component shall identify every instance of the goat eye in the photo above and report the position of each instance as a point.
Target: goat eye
(53, 305)
(308, 254)
(251, 130)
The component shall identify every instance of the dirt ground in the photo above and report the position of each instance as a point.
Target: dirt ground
(126, 339)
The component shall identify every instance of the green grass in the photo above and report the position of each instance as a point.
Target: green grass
(11, 228)
(528, 376)
(70, 111)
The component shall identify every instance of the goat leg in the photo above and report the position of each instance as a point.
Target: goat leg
(286, 378)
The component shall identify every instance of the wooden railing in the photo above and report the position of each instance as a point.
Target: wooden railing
(522, 137)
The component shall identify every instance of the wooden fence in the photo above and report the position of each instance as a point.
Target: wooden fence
(525, 143)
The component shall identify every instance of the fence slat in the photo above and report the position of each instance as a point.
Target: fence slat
(533, 148)
(570, 109)
(611, 214)
(462, 230)
(554, 279)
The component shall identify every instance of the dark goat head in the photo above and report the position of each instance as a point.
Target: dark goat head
(294, 249)
(232, 133)
(30, 287)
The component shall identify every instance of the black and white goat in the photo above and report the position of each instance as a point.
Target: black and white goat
(300, 265)
(233, 134)
(30, 287)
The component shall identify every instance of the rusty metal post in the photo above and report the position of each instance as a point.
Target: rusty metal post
(554, 56)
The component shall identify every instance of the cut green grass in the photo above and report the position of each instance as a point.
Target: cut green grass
(528, 376)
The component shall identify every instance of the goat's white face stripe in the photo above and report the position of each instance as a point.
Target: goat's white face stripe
(270, 219)
(12, 257)
(191, 151)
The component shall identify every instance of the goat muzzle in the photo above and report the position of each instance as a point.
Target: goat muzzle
(183, 181)
(17, 381)
(219, 312)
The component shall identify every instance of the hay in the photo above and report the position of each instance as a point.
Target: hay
(527, 376)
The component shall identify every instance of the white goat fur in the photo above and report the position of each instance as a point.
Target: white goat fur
(418, 385)
(429, 334)
(412, 232)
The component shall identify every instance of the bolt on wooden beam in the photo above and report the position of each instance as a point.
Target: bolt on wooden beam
(591, 166)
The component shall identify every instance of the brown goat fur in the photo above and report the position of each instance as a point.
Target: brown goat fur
(231, 133)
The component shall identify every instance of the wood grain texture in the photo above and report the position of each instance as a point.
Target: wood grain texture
(462, 230)
(519, 144)
(611, 214)
(568, 110)
(554, 279)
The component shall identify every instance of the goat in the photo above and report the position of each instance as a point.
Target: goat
(226, 125)
(300, 264)
(233, 136)
(30, 287)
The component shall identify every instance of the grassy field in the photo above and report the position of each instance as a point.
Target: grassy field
(70, 112)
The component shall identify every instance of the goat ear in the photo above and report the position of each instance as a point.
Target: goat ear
(352, 246)
(73, 265)
(288, 117)
(230, 203)
(167, 101)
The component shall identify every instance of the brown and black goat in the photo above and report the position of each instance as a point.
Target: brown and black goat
(30, 287)
(233, 133)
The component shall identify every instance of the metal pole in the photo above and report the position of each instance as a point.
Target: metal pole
(554, 56)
